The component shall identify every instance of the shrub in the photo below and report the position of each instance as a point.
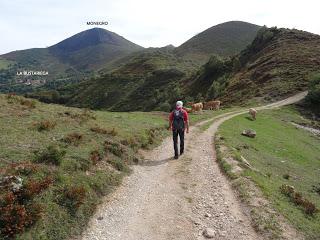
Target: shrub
(153, 134)
(51, 155)
(297, 198)
(85, 115)
(45, 125)
(313, 96)
(119, 164)
(17, 210)
(165, 107)
(72, 197)
(309, 208)
(287, 190)
(73, 138)
(114, 147)
(112, 132)
(95, 156)
(316, 188)
(33, 187)
(14, 217)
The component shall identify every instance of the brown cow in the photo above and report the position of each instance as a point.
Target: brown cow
(197, 107)
(253, 113)
(212, 105)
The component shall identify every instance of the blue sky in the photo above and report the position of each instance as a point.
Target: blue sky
(149, 23)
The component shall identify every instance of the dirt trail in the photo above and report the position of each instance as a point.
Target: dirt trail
(176, 199)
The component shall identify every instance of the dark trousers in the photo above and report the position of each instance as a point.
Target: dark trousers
(175, 134)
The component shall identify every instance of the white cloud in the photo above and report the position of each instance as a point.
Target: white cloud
(40, 23)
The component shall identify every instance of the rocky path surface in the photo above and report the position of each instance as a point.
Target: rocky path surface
(184, 199)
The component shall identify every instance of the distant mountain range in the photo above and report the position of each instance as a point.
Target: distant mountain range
(97, 50)
(235, 62)
(278, 63)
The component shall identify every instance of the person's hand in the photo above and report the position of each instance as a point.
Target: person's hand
(170, 128)
(187, 130)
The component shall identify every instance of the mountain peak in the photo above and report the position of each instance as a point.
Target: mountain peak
(224, 39)
(90, 37)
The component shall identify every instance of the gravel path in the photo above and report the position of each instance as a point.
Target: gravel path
(176, 199)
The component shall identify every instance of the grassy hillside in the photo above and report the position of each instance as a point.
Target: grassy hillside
(278, 63)
(4, 64)
(66, 159)
(149, 80)
(225, 39)
(280, 154)
(69, 61)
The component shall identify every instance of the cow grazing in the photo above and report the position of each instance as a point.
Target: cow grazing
(197, 107)
(253, 113)
(212, 105)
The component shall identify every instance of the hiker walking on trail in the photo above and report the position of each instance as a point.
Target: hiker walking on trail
(178, 123)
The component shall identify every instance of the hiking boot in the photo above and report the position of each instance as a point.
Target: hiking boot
(176, 157)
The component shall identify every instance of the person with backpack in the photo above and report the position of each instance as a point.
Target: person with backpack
(178, 123)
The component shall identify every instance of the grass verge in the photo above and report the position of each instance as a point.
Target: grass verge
(280, 154)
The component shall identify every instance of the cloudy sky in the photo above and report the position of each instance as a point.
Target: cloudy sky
(149, 23)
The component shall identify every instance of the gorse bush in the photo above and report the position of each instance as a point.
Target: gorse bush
(114, 147)
(33, 187)
(45, 125)
(17, 209)
(86, 115)
(51, 155)
(15, 217)
(72, 197)
(112, 132)
(28, 103)
(73, 138)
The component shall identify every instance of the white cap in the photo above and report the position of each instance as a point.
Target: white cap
(179, 104)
